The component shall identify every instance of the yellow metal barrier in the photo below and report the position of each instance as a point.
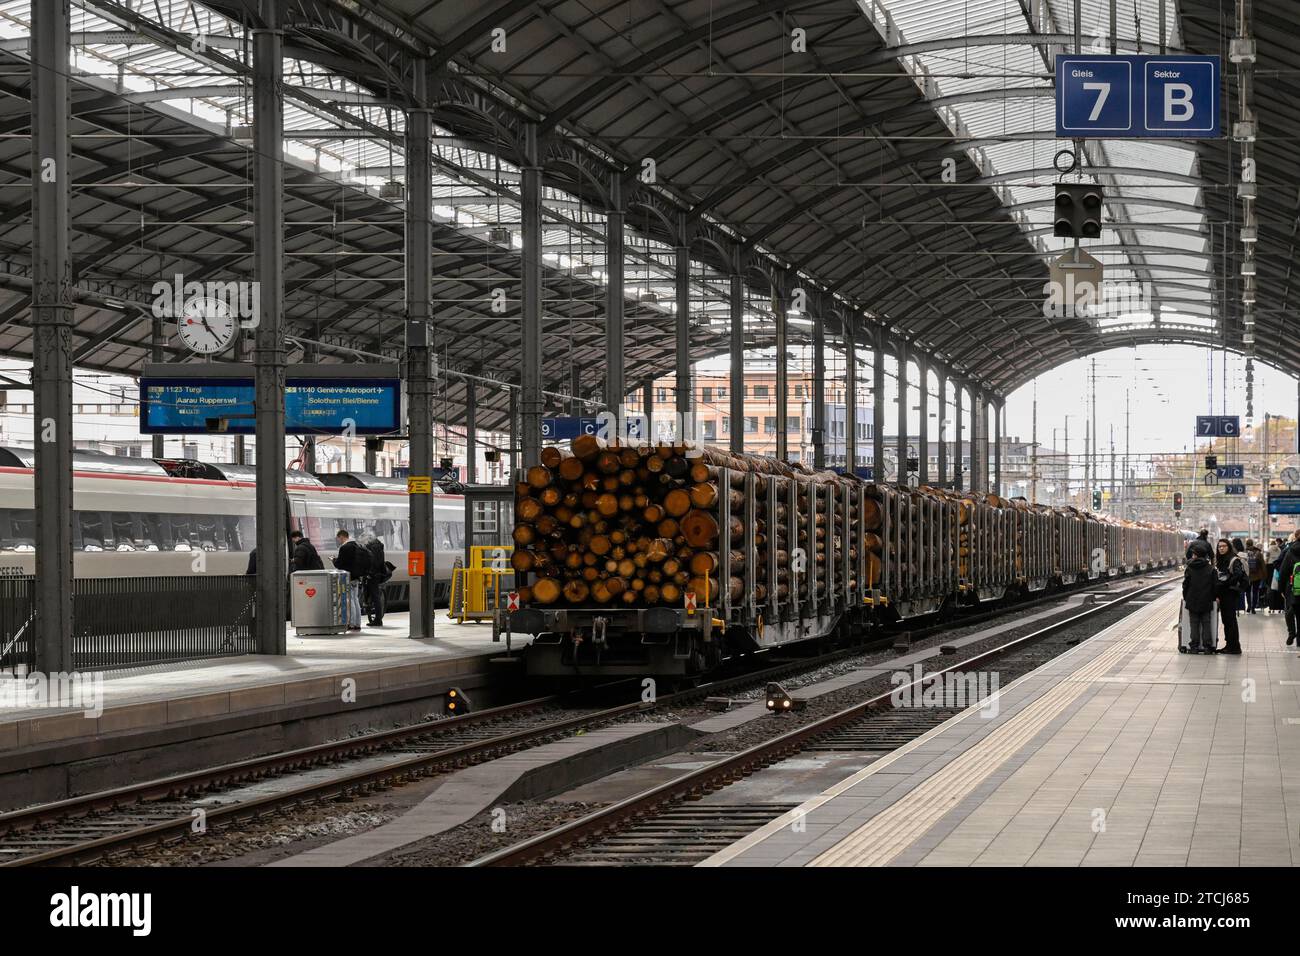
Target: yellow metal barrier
(476, 590)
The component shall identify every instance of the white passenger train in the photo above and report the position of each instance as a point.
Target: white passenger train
(140, 517)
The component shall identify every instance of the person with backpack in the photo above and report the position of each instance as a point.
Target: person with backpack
(1259, 574)
(304, 556)
(380, 572)
(355, 560)
(1233, 578)
(1199, 586)
(1287, 584)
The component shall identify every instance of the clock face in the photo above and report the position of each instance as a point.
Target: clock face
(206, 326)
(1290, 476)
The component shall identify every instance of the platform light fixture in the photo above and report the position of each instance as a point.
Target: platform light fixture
(1250, 235)
(1248, 267)
(455, 704)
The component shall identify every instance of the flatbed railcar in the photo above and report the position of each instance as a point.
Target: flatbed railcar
(932, 553)
(141, 517)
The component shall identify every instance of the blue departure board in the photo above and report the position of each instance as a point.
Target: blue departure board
(184, 406)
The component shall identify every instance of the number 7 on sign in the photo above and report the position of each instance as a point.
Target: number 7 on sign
(1103, 90)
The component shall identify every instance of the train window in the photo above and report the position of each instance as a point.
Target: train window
(17, 529)
(182, 533)
(91, 526)
(442, 535)
(126, 531)
(209, 533)
(457, 534)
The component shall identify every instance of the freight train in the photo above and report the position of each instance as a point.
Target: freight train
(141, 517)
(666, 560)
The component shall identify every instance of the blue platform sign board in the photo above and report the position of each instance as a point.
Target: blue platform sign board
(1234, 489)
(566, 429)
(1218, 426)
(1110, 97)
(1284, 502)
(1230, 471)
(183, 406)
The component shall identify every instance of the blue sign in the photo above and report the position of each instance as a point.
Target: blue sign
(1130, 96)
(1234, 489)
(564, 429)
(328, 406)
(1218, 426)
(1284, 502)
(1230, 471)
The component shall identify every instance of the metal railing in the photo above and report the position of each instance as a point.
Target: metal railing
(17, 602)
(128, 622)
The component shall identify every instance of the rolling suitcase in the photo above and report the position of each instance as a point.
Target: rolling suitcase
(1185, 629)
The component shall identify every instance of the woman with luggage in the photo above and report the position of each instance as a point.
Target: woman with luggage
(1233, 578)
(1260, 575)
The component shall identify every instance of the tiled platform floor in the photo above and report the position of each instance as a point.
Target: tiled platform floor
(1121, 752)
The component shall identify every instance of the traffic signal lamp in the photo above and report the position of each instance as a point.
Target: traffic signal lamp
(456, 703)
(1078, 211)
(1211, 461)
(1178, 501)
(1096, 500)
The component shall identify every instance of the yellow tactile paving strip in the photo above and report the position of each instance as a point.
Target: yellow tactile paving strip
(890, 832)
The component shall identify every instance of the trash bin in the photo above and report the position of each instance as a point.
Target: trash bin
(319, 602)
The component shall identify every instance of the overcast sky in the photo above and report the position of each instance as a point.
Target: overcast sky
(1167, 386)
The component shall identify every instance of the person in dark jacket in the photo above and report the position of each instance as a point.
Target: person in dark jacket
(352, 560)
(373, 588)
(1200, 582)
(252, 565)
(1201, 544)
(304, 556)
(1232, 576)
(1285, 568)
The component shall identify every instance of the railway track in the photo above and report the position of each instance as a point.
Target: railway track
(674, 824)
(86, 828)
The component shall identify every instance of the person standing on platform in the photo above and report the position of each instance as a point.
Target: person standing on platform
(1199, 585)
(1239, 548)
(1230, 570)
(354, 560)
(1200, 543)
(304, 556)
(1260, 573)
(375, 580)
(1286, 566)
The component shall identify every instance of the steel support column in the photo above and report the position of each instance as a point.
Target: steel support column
(923, 439)
(615, 371)
(514, 433)
(902, 412)
(737, 360)
(850, 397)
(52, 319)
(979, 443)
(241, 355)
(818, 397)
(781, 309)
(575, 390)
(878, 405)
(418, 148)
(956, 444)
(156, 355)
(648, 408)
(682, 274)
(471, 431)
(269, 345)
(997, 447)
(941, 412)
(530, 404)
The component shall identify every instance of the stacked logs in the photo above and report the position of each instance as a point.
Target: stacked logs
(637, 526)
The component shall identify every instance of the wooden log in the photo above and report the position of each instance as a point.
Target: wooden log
(528, 509)
(576, 591)
(700, 529)
(586, 447)
(522, 560)
(704, 496)
(607, 505)
(546, 590)
(677, 502)
(550, 496)
(571, 469)
(551, 456)
(524, 535)
(539, 477)
(668, 528)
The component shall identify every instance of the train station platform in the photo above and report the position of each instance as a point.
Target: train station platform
(322, 688)
(1121, 752)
